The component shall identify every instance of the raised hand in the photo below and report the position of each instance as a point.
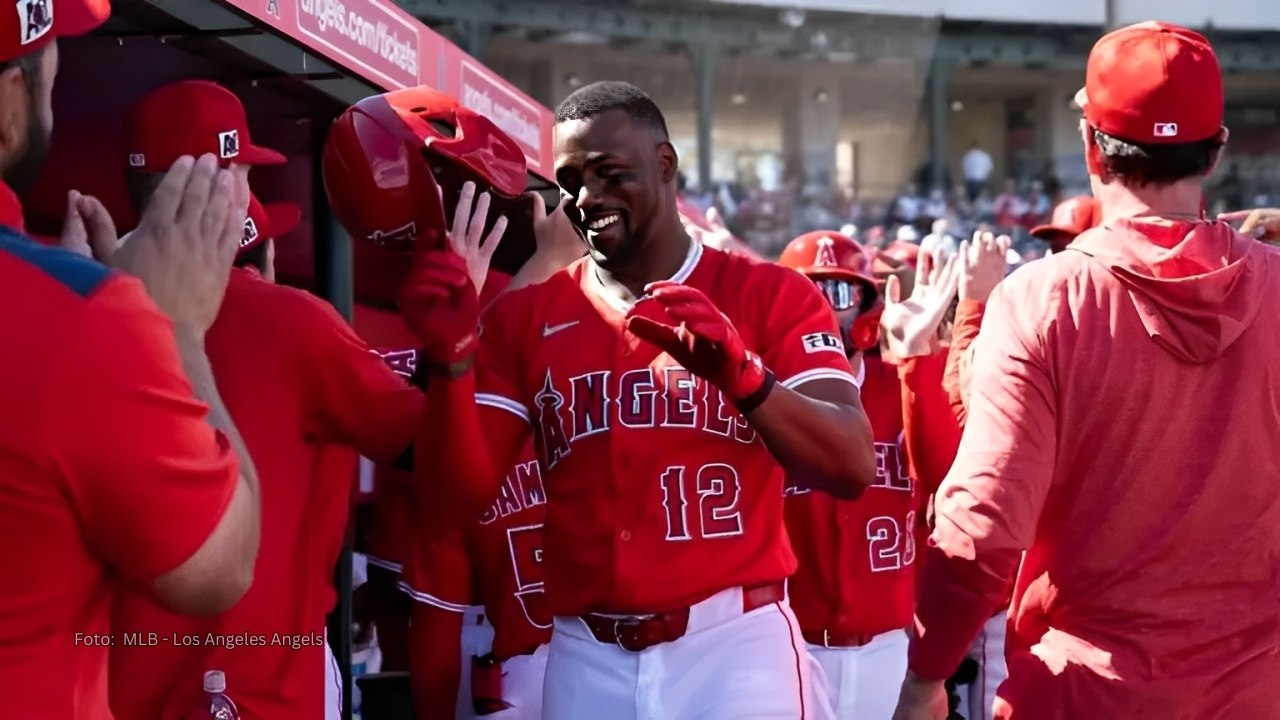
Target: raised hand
(440, 300)
(186, 240)
(467, 239)
(558, 243)
(1263, 223)
(983, 264)
(911, 325)
(683, 322)
(88, 228)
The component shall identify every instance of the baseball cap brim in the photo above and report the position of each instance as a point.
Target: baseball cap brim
(258, 155)
(81, 17)
(1081, 98)
(70, 18)
(1049, 232)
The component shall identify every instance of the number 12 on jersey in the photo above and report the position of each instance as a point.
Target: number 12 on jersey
(713, 491)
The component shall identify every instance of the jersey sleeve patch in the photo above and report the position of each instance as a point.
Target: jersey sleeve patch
(822, 342)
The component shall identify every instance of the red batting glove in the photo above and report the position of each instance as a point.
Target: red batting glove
(439, 304)
(682, 322)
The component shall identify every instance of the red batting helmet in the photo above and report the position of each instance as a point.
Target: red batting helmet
(905, 252)
(1072, 217)
(828, 255)
(386, 163)
(832, 260)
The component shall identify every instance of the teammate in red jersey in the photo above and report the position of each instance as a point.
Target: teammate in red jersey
(1121, 414)
(110, 469)
(488, 575)
(662, 436)
(495, 564)
(307, 394)
(854, 593)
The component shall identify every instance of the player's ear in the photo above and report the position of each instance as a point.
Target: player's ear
(15, 109)
(668, 162)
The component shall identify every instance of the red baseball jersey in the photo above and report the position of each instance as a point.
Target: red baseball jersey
(1142, 524)
(108, 470)
(659, 493)
(306, 394)
(856, 573)
(495, 563)
(391, 533)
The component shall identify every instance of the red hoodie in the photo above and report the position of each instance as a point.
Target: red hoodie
(1123, 429)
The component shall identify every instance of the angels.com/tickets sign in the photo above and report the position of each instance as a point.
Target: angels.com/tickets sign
(391, 49)
(369, 37)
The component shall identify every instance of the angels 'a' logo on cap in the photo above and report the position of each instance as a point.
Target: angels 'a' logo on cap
(250, 232)
(228, 144)
(404, 234)
(35, 18)
(1165, 130)
(826, 253)
(137, 160)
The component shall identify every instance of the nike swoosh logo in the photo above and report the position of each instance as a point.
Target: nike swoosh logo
(549, 330)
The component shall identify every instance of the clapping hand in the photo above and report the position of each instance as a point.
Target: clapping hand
(983, 264)
(185, 242)
(911, 325)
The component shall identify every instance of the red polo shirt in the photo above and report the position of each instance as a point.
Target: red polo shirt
(108, 470)
(306, 394)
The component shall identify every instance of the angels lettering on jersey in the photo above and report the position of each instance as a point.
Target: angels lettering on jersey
(652, 397)
(402, 362)
(891, 471)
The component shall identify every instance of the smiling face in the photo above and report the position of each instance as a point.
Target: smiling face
(619, 176)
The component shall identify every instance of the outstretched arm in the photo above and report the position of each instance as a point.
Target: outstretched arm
(819, 434)
(799, 393)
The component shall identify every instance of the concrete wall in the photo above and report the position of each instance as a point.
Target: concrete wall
(881, 110)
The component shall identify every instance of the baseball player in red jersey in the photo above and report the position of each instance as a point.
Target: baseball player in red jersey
(92, 504)
(663, 437)
(1118, 605)
(300, 384)
(497, 564)
(853, 593)
(1070, 218)
(438, 148)
(488, 576)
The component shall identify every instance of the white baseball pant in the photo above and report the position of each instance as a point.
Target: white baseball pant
(863, 682)
(988, 650)
(477, 639)
(729, 665)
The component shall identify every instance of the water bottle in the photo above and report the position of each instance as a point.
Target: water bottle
(216, 706)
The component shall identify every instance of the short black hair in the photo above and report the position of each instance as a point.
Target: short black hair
(255, 256)
(1145, 164)
(29, 65)
(601, 97)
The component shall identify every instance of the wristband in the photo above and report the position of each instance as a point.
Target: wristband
(757, 398)
(452, 371)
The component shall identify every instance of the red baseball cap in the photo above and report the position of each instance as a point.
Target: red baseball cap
(1071, 218)
(36, 23)
(1153, 83)
(190, 117)
(267, 222)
